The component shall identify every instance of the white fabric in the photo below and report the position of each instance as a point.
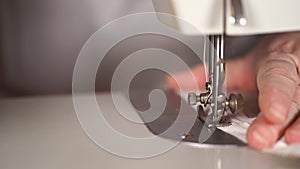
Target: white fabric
(239, 128)
(240, 124)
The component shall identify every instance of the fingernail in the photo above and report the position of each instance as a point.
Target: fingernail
(260, 140)
(293, 136)
(172, 83)
(278, 112)
(263, 137)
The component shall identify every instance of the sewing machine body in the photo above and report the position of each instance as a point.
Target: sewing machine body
(207, 16)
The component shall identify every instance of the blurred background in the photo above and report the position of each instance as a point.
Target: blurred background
(41, 39)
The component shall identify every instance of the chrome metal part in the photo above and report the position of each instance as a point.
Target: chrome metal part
(215, 109)
(193, 99)
(227, 107)
(235, 103)
(237, 16)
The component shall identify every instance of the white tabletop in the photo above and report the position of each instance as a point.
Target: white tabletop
(43, 132)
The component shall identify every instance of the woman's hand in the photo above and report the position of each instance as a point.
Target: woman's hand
(272, 68)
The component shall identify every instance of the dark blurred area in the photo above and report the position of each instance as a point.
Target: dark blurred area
(41, 39)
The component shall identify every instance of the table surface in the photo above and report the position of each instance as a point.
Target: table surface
(44, 132)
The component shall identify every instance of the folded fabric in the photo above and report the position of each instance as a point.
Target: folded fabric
(240, 124)
(239, 127)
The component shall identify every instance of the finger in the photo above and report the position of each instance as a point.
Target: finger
(292, 134)
(239, 75)
(185, 81)
(277, 81)
(262, 134)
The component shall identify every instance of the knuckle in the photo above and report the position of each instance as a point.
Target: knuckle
(278, 71)
(285, 43)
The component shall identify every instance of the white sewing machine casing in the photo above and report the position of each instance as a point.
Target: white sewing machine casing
(217, 19)
(267, 16)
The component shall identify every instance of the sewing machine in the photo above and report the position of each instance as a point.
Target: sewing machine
(220, 18)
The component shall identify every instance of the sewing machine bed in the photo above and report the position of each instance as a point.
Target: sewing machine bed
(44, 132)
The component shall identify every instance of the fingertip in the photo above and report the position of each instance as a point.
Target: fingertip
(172, 84)
(260, 135)
(276, 113)
(258, 140)
(193, 79)
(292, 135)
(274, 105)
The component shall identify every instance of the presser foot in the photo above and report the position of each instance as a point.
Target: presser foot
(227, 108)
(207, 117)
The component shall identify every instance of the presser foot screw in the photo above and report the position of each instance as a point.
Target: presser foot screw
(235, 103)
(193, 99)
(204, 98)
